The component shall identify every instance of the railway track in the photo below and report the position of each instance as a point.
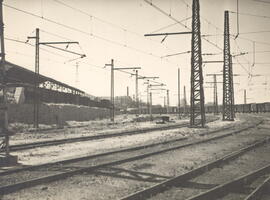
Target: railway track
(32, 145)
(242, 185)
(20, 178)
(250, 186)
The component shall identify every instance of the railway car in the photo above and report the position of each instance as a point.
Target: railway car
(237, 108)
(253, 107)
(260, 107)
(246, 108)
(267, 107)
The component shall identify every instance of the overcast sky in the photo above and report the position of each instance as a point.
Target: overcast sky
(114, 29)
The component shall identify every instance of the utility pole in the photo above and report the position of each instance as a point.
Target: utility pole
(157, 85)
(179, 103)
(112, 90)
(113, 68)
(36, 84)
(147, 88)
(127, 91)
(215, 95)
(228, 96)
(168, 102)
(4, 108)
(185, 100)
(148, 85)
(136, 92)
(197, 110)
(36, 95)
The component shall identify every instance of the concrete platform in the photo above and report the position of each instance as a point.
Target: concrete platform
(8, 160)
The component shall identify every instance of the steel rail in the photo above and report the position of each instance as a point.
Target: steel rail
(45, 179)
(114, 152)
(95, 137)
(228, 187)
(259, 191)
(165, 185)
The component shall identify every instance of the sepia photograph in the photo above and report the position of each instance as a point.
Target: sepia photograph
(135, 100)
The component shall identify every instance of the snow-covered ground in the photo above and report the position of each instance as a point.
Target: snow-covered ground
(66, 151)
(90, 128)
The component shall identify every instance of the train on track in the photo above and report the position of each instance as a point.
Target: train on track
(239, 108)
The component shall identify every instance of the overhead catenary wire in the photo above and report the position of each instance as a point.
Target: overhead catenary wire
(84, 32)
(262, 1)
(29, 44)
(203, 18)
(31, 56)
(258, 42)
(252, 15)
(188, 52)
(254, 32)
(170, 25)
(232, 35)
(216, 34)
(26, 43)
(83, 63)
(179, 22)
(222, 32)
(91, 16)
(237, 46)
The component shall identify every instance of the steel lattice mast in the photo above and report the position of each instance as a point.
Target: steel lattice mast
(197, 112)
(228, 96)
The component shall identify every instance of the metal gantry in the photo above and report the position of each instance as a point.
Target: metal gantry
(215, 95)
(228, 93)
(160, 89)
(113, 68)
(197, 110)
(36, 85)
(147, 88)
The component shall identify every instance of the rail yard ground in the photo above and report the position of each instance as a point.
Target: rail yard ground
(119, 180)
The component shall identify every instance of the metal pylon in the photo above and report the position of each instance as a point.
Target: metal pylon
(228, 93)
(197, 111)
